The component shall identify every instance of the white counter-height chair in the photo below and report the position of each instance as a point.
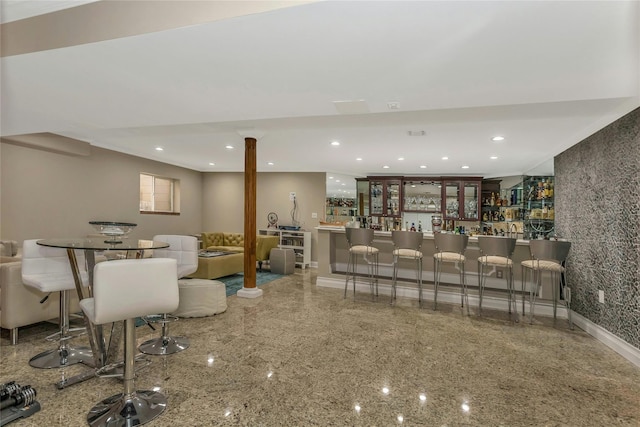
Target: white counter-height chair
(48, 270)
(496, 252)
(123, 290)
(407, 245)
(184, 249)
(360, 242)
(547, 256)
(450, 249)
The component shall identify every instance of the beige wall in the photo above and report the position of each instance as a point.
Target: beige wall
(223, 200)
(45, 194)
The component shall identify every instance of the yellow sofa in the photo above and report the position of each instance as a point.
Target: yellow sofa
(234, 242)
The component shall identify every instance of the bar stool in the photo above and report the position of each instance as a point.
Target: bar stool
(496, 252)
(450, 248)
(360, 240)
(184, 249)
(48, 270)
(407, 245)
(123, 290)
(547, 256)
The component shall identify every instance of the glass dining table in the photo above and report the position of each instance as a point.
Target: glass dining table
(105, 352)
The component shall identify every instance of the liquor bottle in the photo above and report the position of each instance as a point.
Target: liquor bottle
(493, 199)
(419, 226)
(413, 227)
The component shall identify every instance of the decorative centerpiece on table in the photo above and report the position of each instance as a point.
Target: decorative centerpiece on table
(114, 231)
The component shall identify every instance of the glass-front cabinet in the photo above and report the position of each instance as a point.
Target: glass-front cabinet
(385, 196)
(460, 199)
(420, 195)
(451, 197)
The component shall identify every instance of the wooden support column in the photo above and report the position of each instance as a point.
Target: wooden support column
(250, 289)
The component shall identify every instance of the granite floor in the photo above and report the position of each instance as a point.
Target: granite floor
(304, 356)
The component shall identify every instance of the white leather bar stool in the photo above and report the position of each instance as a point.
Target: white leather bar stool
(48, 270)
(450, 249)
(360, 245)
(548, 256)
(407, 245)
(184, 249)
(123, 290)
(496, 252)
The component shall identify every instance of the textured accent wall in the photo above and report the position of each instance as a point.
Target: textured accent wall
(598, 210)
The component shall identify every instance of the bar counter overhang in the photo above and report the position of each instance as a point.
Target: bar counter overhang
(333, 254)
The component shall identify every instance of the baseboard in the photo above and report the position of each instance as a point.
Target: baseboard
(615, 343)
(620, 346)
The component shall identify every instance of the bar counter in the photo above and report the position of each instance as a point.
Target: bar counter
(333, 255)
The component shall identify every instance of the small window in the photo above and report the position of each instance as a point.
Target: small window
(159, 194)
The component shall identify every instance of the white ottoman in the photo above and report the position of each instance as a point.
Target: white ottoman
(200, 298)
(282, 261)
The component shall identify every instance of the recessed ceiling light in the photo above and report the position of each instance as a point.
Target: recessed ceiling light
(465, 167)
(445, 158)
(344, 183)
(330, 177)
(335, 143)
(159, 149)
(359, 159)
(494, 157)
(337, 180)
(270, 163)
(423, 166)
(401, 158)
(211, 164)
(385, 167)
(498, 138)
(229, 147)
(413, 186)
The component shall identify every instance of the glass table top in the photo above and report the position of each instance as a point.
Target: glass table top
(99, 244)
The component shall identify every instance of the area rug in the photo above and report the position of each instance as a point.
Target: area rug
(235, 282)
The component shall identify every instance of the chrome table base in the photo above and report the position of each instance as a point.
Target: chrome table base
(61, 357)
(164, 345)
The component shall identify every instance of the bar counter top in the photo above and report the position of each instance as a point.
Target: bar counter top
(333, 255)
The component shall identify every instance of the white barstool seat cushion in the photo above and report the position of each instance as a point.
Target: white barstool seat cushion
(362, 249)
(53, 282)
(498, 261)
(200, 298)
(449, 257)
(407, 253)
(543, 265)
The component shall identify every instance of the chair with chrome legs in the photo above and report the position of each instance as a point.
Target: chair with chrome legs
(48, 270)
(123, 290)
(407, 245)
(450, 248)
(360, 244)
(184, 249)
(547, 256)
(496, 252)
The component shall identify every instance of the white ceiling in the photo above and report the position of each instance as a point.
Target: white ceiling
(542, 74)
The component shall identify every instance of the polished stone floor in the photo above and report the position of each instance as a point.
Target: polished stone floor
(304, 356)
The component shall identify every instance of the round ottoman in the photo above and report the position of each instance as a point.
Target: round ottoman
(200, 298)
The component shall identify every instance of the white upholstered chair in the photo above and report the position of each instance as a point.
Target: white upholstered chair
(48, 270)
(123, 290)
(184, 249)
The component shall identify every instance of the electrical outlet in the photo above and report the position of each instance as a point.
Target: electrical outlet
(314, 215)
(600, 296)
(499, 274)
(292, 196)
